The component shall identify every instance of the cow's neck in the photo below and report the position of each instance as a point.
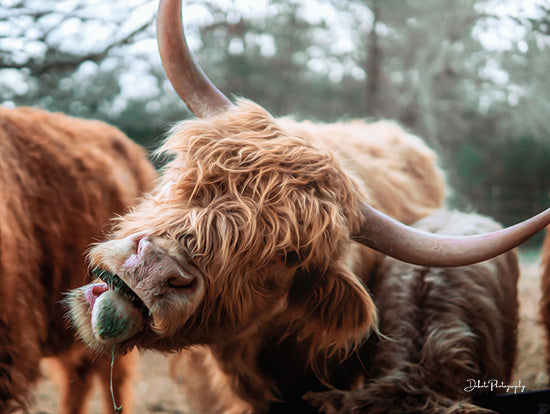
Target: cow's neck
(272, 366)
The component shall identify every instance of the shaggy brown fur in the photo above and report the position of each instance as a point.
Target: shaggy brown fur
(260, 212)
(545, 300)
(442, 328)
(61, 179)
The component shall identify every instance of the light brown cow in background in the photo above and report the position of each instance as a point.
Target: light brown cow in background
(61, 180)
(545, 299)
(255, 244)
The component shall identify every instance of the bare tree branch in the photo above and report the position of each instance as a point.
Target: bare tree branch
(71, 62)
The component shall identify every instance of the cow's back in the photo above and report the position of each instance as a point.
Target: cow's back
(397, 171)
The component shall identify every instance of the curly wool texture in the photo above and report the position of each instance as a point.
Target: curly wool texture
(247, 197)
(442, 328)
(241, 174)
(61, 179)
(245, 189)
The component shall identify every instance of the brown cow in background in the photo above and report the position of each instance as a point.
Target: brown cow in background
(61, 179)
(545, 300)
(443, 330)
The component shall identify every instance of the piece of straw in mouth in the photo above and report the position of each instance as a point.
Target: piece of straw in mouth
(117, 409)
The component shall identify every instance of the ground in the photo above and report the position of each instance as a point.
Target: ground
(157, 393)
(530, 367)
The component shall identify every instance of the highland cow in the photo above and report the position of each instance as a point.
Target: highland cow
(444, 332)
(545, 300)
(257, 243)
(61, 179)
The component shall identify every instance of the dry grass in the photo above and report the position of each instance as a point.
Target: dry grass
(155, 391)
(530, 366)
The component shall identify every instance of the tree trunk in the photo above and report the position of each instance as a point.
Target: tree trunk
(372, 64)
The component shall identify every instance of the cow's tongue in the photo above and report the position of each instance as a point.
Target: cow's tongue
(94, 291)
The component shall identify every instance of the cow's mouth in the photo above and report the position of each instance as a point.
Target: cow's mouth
(117, 312)
(117, 284)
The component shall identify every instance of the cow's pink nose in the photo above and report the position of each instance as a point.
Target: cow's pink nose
(143, 246)
(94, 291)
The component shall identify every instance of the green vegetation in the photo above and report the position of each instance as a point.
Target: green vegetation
(466, 75)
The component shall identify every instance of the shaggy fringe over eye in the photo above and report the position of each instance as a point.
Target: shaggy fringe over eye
(241, 193)
(248, 198)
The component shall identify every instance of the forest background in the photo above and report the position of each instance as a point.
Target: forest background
(472, 77)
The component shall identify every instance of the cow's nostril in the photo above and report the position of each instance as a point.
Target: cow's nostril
(142, 245)
(181, 281)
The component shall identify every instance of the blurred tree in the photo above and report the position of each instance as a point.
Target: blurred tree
(509, 126)
(480, 100)
(282, 58)
(524, 101)
(469, 80)
(72, 56)
(372, 67)
(36, 41)
(427, 49)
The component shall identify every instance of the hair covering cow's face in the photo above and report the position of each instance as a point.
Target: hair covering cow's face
(246, 223)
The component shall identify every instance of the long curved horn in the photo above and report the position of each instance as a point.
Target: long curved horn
(410, 245)
(192, 85)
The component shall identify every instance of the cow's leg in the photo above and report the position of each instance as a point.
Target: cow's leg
(19, 364)
(75, 379)
(17, 375)
(123, 372)
(78, 367)
(206, 388)
(545, 310)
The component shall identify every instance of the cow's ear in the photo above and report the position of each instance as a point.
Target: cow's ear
(332, 310)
